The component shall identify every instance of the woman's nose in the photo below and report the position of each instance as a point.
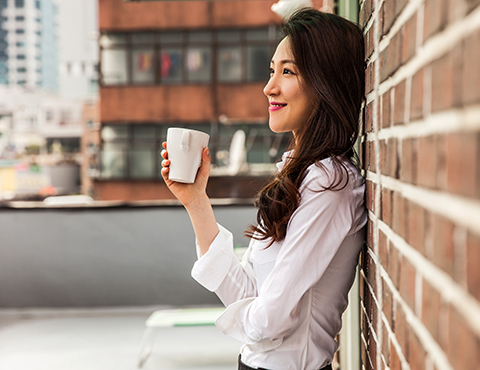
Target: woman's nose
(271, 88)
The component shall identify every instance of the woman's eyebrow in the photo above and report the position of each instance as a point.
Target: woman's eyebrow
(285, 61)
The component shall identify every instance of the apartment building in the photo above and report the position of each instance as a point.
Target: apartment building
(199, 65)
(28, 48)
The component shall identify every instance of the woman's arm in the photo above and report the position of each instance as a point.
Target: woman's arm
(195, 200)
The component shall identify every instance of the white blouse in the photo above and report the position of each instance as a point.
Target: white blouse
(285, 302)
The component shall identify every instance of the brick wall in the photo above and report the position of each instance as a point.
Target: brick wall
(420, 269)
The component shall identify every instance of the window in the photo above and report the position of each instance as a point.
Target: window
(19, 3)
(182, 57)
(21, 69)
(19, 18)
(21, 56)
(20, 31)
(132, 151)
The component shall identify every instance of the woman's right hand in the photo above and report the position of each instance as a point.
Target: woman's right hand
(188, 194)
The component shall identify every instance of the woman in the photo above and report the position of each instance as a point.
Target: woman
(286, 298)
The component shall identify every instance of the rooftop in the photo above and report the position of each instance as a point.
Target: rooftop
(106, 339)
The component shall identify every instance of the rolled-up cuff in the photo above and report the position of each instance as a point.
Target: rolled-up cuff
(211, 269)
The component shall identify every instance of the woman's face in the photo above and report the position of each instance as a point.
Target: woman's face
(289, 102)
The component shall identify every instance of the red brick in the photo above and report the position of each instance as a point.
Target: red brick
(409, 38)
(435, 17)
(389, 15)
(370, 273)
(393, 266)
(446, 81)
(389, 157)
(369, 117)
(370, 195)
(399, 5)
(392, 158)
(462, 174)
(427, 162)
(386, 204)
(473, 270)
(416, 353)
(416, 227)
(399, 215)
(372, 353)
(387, 303)
(370, 77)
(407, 282)
(369, 42)
(385, 346)
(395, 363)
(471, 72)
(431, 310)
(416, 100)
(399, 104)
(465, 345)
(395, 51)
(386, 109)
(401, 330)
(456, 9)
(383, 248)
(408, 164)
(441, 176)
(443, 231)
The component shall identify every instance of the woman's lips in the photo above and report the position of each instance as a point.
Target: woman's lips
(274, 106)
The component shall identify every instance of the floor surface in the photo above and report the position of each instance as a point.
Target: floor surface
(103, 340)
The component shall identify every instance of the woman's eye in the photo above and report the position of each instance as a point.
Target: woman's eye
(287, 71)
(272, 71)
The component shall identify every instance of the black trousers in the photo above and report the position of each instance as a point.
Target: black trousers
(242, 366)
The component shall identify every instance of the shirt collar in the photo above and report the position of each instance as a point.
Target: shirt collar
(285, 158)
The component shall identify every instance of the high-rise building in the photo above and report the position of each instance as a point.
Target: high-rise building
(28, 47)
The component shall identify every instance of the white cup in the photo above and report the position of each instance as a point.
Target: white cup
(185, 153)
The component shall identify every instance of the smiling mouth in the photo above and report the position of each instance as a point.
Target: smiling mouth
(274, 107)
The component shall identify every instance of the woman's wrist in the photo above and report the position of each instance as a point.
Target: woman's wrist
(197, 203)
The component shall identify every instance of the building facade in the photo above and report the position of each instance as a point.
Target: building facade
(200, 65)
(28, 48)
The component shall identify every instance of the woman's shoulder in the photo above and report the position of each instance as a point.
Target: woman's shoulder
(340, 173)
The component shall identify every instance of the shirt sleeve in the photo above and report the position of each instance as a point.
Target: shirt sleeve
(220, 271)
(315, 232)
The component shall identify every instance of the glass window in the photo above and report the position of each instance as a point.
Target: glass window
(19, 3)
(114, 67)
(143, 38)
(200, 36)
(258, 61)
(171, 65)
(260, 34)
(198, 64)
(171, 37)
(20, 31)
(142, 66)
(229, 36)
(229, 64)
(114, 132)
(142, 160)
(113, 160)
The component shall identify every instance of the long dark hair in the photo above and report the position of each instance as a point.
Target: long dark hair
(329, 53)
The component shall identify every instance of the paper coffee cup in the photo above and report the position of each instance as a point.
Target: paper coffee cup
(185, 153)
